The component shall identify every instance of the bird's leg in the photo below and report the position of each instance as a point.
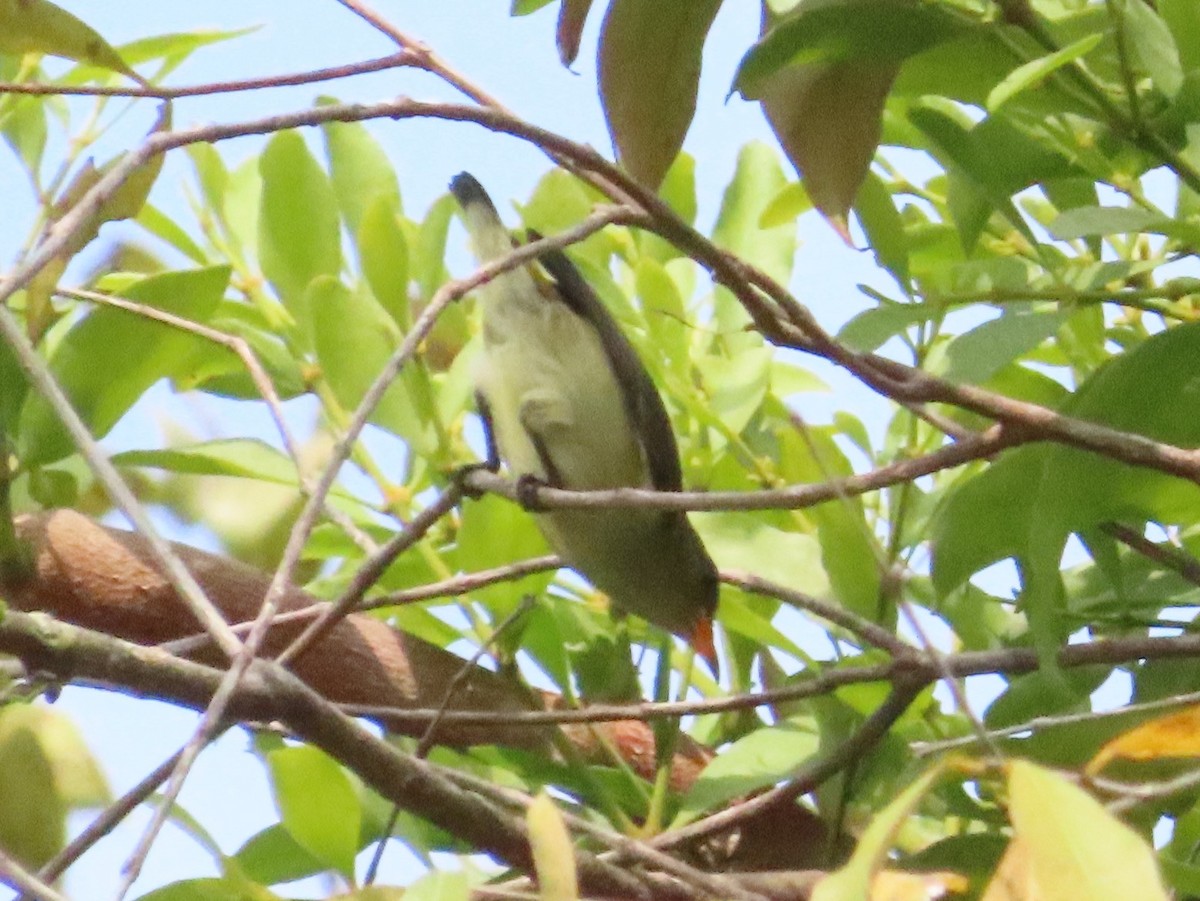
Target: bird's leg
(540, 413)
(492, 461)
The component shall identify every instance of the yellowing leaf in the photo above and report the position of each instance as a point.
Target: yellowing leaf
(896, 885)
(1174, 735)
(1013, 880)
(649, 73)
(36, 26)
(856, 878)
(1077, 849)
(553, 854)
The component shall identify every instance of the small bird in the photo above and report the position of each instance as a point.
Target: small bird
(566, 402)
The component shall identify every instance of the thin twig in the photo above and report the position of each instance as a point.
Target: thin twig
(368, 574)
(258, 375)
(1042, 723)
(1175, 559)
(12, 873)
(392, 61)
(720, 886)
(870, 632)
(904, 689)
(452, 587)
(103, 824)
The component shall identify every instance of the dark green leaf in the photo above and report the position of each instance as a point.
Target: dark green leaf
(978, 354)
(837, 30)
(649, 62)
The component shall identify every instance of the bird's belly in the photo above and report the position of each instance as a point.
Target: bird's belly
(551, 383)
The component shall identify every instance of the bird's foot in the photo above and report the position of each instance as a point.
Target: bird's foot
(527, 492)
(462, 478)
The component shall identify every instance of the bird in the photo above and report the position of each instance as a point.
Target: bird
(566, 402)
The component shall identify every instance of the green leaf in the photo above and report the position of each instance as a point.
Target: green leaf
(1036, 71)
(443, 885)
(977, 355)
(15, 387)
(32, 811)
(786, 206)
(854, 879)
(208, 889)
(427, 266)
(38, 26)
(237, 457)
(298, 236)
(881, 221)
(87, 350)
(664, 313)
(760, 759)
(649, 61)
(881, 31)
(1086, 221)
(318, 805)
(495, 532)
(178, 46)
(359, 170)
(168, 230)
(1077, 848)
(1183, 18)
(383, 255)
(354, 339)
(1148, 391)
(1152, 48)
(744, 541)
(1045, 693)
(273, 856)
(23, 124)
(872, 328)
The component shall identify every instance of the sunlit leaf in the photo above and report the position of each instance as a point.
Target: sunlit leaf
(1172, 735)
(553, 854)
(38, 26)
(1076, 848)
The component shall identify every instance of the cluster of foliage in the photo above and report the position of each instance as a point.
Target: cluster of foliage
(1041, 360)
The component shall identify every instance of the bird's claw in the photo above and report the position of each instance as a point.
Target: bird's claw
(461, 478)
(527, 492)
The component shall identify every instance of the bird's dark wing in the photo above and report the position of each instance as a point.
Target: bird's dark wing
(643, 404)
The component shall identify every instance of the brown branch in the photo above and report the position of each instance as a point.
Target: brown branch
(266, 693)
(870, 632)
(980, 446)
(1175, 559)
(811, 775)
(393, 61)
(772, 308)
